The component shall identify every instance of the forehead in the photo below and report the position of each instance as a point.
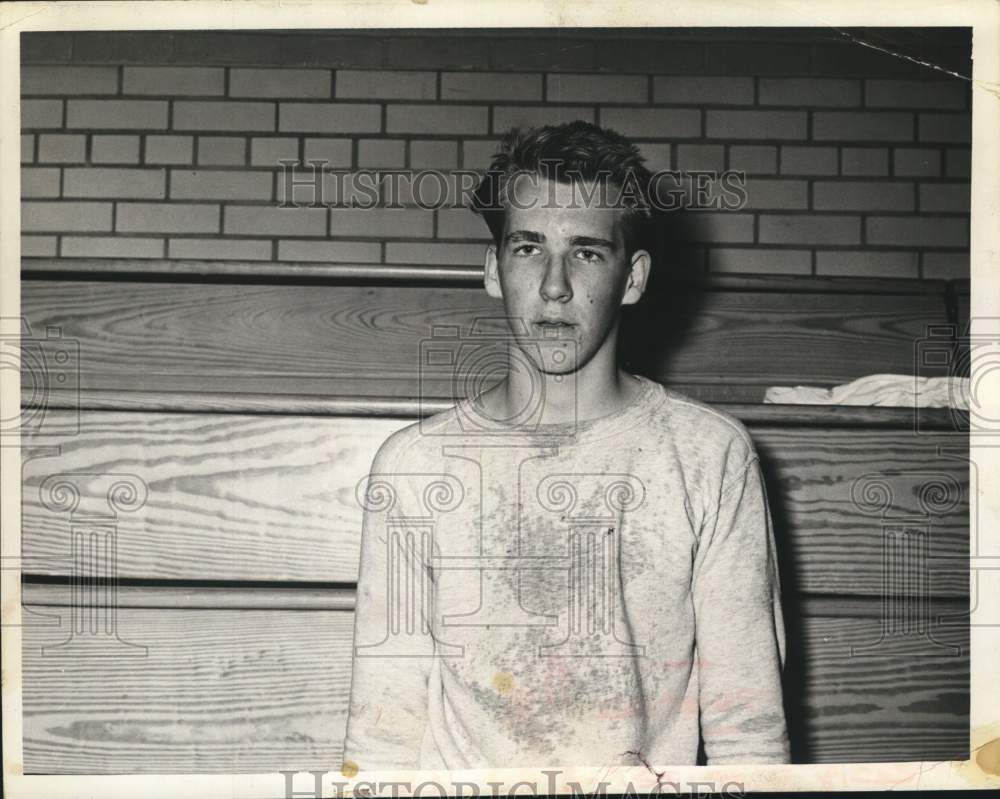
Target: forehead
(535, 203)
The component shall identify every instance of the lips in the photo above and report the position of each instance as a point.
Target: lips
(554, 328)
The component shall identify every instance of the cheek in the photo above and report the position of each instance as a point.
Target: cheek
(516, 298)
(515, 278)
(602, 294)
(513, 288)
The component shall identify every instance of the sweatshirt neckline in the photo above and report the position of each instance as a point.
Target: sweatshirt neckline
(650, 396)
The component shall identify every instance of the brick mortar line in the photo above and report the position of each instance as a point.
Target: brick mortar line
(271, 203)
(509, 102)
(486, 136)
(506, 101)
(855, 212)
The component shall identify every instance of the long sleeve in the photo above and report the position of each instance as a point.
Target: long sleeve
(393, 647)
(739, 632)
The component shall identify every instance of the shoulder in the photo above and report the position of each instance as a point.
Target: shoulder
(417, 440)
(406, 465)
(710, 444)
(712, 447)
(697, 421)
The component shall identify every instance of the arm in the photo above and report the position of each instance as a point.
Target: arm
(387, 714)
(739, 631)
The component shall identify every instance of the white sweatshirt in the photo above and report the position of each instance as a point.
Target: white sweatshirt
(582, 594)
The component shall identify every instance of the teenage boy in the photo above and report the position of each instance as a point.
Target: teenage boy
(576, 567)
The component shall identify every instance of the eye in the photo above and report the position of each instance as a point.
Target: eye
(591, 256)
(526, 250)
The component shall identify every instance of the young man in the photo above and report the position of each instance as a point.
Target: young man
(577, 566)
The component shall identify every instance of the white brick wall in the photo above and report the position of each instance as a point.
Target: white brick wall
(167, 218)
(174, 80)
(159, 156)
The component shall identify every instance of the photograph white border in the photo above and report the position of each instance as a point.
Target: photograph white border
(983, 16)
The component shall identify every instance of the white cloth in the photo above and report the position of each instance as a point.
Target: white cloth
(907, 391)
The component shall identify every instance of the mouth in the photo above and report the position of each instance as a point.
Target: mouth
(553, 323)
(554, 327)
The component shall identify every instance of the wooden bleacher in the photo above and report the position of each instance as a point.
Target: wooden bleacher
(248, 401)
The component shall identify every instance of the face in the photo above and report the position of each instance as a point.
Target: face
(563, 273)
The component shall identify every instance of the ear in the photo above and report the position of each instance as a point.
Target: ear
(638, 276)
(491, 274)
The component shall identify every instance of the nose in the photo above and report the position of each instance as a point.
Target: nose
(555, 285)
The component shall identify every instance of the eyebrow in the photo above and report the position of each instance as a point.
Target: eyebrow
(538, 238)
(524, 235)
(590, 241)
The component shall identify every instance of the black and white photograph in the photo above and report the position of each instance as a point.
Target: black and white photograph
(461, 397)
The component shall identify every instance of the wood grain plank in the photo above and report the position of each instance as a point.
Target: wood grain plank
(223, 691)
(776, 338)
(838, 497)
(228, 497)
(257, 691)
(363, 340)
(273, 497)
(851, 698)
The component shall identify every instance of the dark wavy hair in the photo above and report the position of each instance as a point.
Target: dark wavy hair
(573, 152)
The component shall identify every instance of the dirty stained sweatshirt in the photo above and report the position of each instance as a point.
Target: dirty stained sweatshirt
(590, 593)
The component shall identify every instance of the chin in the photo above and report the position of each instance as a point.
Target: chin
(558, 372)
(568, 367)
(547, 356)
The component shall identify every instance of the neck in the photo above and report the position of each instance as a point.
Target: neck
(597, 389)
